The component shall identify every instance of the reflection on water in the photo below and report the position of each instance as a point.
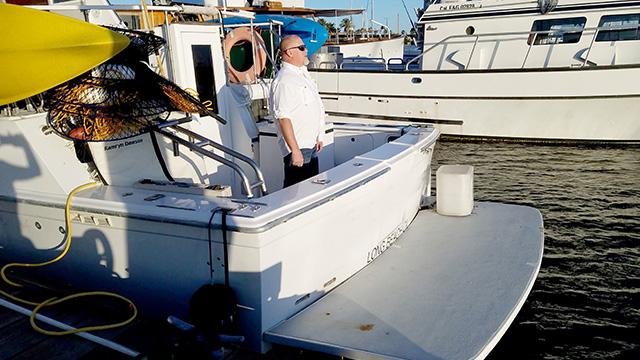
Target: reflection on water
(586, 300)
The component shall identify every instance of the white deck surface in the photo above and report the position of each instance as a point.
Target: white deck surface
(448, 289)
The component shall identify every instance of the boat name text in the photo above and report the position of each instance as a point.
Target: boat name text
(122, 144)
(459, 6)
(386, 243)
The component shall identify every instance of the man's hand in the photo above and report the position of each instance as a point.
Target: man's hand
(319, 145)
(296, 158)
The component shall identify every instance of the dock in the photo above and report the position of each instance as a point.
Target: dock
(150, 339)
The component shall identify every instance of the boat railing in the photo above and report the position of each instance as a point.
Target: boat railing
(531, 41)
(332, 63)
(183, 9)
(395, 64)
(211, 11)
(350, 37)
(384, 26)
(197, 143)
(363, 63)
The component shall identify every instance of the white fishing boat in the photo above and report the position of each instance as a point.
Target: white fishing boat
(513, 69)
(197, 199)
(367, 53)
(363, 47)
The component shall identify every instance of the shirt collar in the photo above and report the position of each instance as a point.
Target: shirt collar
(299, 69)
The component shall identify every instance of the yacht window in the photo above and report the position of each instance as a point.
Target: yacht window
(205, 83)
(559, 31)
(631, 32)
(132, 21)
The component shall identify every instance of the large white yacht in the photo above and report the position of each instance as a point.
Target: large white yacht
(511, 69)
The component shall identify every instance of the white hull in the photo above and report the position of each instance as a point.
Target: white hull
(501, 69)
(384, 48)
(530, 105)
(286, 249)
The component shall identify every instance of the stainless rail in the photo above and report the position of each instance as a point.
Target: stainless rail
(532, 36)
(199, 148)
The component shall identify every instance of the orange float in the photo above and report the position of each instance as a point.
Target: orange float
(245, 37)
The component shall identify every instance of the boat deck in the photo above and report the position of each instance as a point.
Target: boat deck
(449, 281)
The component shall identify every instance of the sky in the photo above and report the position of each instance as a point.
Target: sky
(384, 11)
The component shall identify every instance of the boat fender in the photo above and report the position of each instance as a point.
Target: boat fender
(239, 37)
(213, 310)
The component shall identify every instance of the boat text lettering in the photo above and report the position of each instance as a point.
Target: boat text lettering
(459, 6)
(122, 144)
(386, 243)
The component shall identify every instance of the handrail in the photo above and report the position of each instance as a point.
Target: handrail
(185, 9)
(383, 25)
(363, 61)
(528, 33)
(203, 141)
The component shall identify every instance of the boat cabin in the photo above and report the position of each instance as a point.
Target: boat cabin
(491, 34)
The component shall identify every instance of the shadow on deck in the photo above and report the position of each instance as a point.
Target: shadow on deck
(151, 339)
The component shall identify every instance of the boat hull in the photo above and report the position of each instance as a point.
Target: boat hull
(582, 104)
(285, 250)
(378, 48)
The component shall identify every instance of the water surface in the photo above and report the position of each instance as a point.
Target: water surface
(585, 303)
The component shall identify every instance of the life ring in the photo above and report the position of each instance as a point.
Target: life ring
(243, 36)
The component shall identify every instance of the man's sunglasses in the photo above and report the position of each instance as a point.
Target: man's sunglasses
(301, 48)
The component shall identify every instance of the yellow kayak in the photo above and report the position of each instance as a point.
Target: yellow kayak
(39, 50)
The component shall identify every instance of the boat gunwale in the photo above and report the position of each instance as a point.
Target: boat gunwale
(224, 202)
(199, 223)
(481, 71)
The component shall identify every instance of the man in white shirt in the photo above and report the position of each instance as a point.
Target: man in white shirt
(297, 106)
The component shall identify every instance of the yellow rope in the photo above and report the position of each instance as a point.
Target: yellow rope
(53, 301)
(208, 104)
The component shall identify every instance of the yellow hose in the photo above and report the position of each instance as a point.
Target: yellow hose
(68, 234)
(53, 301)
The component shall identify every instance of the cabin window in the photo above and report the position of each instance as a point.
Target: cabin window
(132, 21)
(205, 83)
(559, 31)
(627, 28)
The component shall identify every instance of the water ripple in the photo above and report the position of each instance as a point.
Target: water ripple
(585, 303)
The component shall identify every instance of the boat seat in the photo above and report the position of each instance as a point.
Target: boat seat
(125, 162)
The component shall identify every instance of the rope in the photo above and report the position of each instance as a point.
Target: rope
(54, 301)
(208, 103)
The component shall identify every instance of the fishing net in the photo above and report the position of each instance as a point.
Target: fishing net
(121, 98)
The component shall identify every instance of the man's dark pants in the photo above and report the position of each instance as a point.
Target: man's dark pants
(295, 174)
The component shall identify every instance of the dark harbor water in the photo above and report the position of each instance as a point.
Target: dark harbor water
(585, 303)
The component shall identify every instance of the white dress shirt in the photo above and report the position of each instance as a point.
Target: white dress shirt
(294, 95)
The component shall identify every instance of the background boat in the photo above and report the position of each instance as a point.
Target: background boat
(508, 70)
